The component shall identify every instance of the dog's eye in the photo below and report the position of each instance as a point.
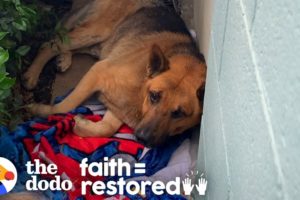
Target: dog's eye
(178, 113)
(154, 96)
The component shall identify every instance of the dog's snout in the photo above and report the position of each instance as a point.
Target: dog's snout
(144, 137)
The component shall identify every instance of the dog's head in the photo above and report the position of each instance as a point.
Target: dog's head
(173, 96)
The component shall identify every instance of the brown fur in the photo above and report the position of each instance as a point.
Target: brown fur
(135, 62)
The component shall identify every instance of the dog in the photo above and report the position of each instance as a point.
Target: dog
(150, 74)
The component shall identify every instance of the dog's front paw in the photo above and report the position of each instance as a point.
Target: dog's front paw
(87, 128)
(64, 61)
(30, 80)
(81, 126)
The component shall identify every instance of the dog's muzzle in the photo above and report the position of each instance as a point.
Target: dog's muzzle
(145, 137)
(150, 133)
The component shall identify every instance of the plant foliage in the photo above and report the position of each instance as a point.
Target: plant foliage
(15, 19)
(24, 25)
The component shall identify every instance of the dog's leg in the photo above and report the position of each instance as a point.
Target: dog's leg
(97, 25)
(89, 84)
(104, 128)
(79, 37)
(64, 61)
(94, 80)
(93, 51)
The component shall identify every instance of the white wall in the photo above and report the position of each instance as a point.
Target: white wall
(250, 135)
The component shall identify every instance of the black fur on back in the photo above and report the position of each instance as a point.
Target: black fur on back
(154, 19)
(149, 20)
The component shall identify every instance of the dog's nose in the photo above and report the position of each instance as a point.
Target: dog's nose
(143, 137)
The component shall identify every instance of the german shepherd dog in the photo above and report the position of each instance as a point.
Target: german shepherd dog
(150, 74)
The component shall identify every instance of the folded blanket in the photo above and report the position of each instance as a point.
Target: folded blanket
(51, 140)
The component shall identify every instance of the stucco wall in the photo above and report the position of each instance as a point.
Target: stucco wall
(250, 134)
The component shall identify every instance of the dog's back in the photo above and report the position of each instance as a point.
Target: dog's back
(150, 20)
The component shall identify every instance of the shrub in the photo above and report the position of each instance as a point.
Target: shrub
(6, 84)
(15, 19)
(22, 28)
(24, 25)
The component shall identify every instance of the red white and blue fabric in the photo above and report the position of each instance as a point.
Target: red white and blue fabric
(52, 140)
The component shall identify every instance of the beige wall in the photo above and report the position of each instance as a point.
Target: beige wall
(202, 21)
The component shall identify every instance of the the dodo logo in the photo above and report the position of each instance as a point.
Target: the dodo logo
(8, 176)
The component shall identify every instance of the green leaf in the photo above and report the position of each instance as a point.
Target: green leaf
(20, 25)
(2, 69)
(4, 94)
(3, 76)
(16, 2)
(23, 50)
(2, 105)
(18, 35)
(29, 10)
(4, 26)
(26, 22)
(7, 83)
(26, 11)
(3, 34)
(6, 43)
(3, 56)
(18, 62)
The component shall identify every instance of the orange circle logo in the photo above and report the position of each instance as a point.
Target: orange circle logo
(8, 176)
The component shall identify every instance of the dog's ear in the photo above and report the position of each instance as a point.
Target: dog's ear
(158, 62)
(200, 92)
